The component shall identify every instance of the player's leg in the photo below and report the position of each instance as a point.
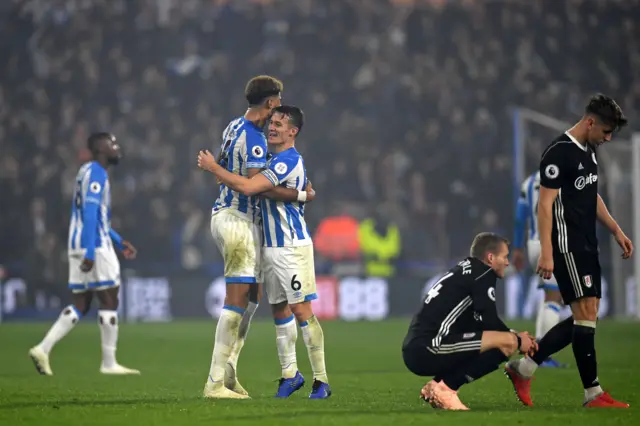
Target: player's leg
(234, 238)
(299, 281)
(69, 317)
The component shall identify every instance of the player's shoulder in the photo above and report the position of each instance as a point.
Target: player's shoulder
(559, 145)
(284, 162)
(93, 170)
(472, 268)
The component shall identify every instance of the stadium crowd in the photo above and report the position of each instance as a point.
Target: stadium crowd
(407, 104)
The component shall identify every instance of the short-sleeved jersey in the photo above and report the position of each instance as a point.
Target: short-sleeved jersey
(244, 147)
(283, 222)
(572, 168)
(529, 196)
(462, 301)
(90, 210)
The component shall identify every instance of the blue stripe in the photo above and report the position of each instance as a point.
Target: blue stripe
(240, 280)
(243, 201)
(549, 287)
(283, 321)
(312, 296)
(304, 323)
(553, 306)
(93, 284)
(289, 221)
(297, 224)
(78, 313)
(278, 224)
(234, 309)
(532, 223)
(229, 198)
(265, 222)
(75, 228)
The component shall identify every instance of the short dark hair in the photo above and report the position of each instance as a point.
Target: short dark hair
(607, 110)
(293, 113)
(486, 242)
(261, 87)
(95, 138)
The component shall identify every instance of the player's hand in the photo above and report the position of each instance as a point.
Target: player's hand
(86, 265)
(625, 244)
(206, 161)
(311, 194)
(528, 344)
(128, 250)
(545, 265)
(518, 258)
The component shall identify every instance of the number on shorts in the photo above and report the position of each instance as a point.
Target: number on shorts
(295, 284)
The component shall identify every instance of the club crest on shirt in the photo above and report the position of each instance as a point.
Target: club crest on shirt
(280, 168)
(587, 281)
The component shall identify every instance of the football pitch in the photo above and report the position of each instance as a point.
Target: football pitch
(369, 381)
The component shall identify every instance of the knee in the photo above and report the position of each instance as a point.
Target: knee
(585, 309)
(302, 311)
(280, 310)
(237, 295)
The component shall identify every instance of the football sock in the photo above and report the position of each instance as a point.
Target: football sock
(108, 323)
(286, 336)
(554, 341)
(584, 351)
(548, 317)
(226, 337)
(243, 330)
(314, 340)
(484, 364)
(66, 321)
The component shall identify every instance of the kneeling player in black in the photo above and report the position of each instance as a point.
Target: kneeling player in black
(568, 209)
(457, 336)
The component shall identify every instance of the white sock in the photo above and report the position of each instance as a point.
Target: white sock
(314, 340)
(66, 321)
(243, 330)
(225, 339)
(286, 336)
(108, 322)
(525, 366)
(548, 317)
(592, 393)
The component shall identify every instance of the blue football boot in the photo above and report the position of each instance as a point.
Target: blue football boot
(288, 386)
(320, 390)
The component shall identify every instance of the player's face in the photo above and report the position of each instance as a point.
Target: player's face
(500, 260)
(112, 151)
(280, 130)
(598, 132)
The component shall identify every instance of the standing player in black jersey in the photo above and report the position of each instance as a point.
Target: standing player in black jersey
(457, 336)
(567, 212)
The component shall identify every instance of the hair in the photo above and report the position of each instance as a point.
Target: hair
(261, 87)
(486, 242)
(95, 138)
(293, 113)
(606, 110)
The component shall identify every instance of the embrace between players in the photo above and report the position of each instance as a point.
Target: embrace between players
(457, 336)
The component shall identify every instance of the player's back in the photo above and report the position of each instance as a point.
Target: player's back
(530, 192)
(572, 168)
(91, 186)
(448, 305)
(244, 147)
(283, 222)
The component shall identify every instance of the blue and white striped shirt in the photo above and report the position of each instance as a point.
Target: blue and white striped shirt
(528, 205)
(244, 147)
(283, 223)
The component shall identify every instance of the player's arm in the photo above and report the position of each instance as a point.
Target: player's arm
(280, 193)
(125, 246)
(247, 186)
(522, 210)
(484, 302)
(551, 180)
(90, 211)
(605, 218)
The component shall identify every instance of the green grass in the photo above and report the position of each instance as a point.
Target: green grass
(370, 383)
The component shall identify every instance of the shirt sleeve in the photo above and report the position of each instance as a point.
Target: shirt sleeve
(95, 182)
(256, 150)
(484, 302)
(280, 169)
(553, 172)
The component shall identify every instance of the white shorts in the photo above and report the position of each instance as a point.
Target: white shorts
(239, 242)
(533, 250)
(289, 274)
(104, 274)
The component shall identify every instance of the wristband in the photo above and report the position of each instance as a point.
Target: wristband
(519, 341)
(302, 196)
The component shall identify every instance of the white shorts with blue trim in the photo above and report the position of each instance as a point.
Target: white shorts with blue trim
(289, 274)
(533, 250)
(239, 242)
(104, 274)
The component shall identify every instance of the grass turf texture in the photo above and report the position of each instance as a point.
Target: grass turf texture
(369, 381)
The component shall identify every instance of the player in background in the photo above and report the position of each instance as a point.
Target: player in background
(93, 264)
(288, 262)
(235, 227)
(457, 335)
(527, 220)
(568, 210)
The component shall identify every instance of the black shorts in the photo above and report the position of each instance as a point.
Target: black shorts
(424, 359)
(578, 275)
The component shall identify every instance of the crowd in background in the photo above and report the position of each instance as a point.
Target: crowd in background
(408, 108)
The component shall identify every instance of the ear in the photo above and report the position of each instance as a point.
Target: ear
(294, 131)
(490, 258)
